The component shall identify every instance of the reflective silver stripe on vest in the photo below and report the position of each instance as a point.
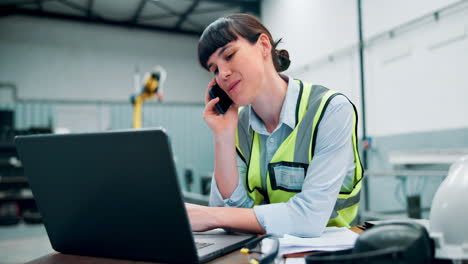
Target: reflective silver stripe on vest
(244, 134)
(352, 223)
(335, 214)
(345, 203)
(304, 133)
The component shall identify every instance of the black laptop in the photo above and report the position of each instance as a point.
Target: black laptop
(116, 195)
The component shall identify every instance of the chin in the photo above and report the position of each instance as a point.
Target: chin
(240, 102)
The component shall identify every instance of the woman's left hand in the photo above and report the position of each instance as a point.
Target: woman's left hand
(201, 217)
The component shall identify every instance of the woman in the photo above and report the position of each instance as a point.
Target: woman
(287, 162)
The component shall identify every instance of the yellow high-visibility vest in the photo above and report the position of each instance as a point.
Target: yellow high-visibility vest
(287, 169)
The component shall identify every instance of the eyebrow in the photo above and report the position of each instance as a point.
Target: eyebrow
(220, 52)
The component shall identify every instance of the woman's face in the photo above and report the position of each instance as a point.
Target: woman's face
(239, 69)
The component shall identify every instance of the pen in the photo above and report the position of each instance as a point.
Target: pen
(299, 254)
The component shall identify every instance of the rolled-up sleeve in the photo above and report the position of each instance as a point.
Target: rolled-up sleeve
(238, 198)
(307, 213)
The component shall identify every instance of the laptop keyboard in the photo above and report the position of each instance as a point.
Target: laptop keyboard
(201, 245)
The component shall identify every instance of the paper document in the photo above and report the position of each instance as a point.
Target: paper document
(294, 261)
(333, 238)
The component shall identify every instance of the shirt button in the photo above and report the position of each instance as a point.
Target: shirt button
(272, 140)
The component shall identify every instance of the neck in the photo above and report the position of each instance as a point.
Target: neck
(268, 103)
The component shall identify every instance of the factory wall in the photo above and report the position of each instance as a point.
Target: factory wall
(53, 59)
(78, 77)
(416, 86)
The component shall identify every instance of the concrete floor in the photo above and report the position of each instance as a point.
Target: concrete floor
(22, 243)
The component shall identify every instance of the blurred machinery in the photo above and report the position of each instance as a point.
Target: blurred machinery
(16, 200)
(152, 86)
(442, 239)
(447, 220)
(414, 170)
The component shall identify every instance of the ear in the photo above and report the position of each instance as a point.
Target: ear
(265, 45)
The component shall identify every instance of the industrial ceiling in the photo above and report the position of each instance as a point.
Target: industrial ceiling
(179, 16)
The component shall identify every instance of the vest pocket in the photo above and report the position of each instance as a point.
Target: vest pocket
(287, 176)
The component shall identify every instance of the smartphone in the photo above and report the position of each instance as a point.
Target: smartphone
(224, 100)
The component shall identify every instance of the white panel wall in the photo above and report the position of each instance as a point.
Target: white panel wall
(52, 59)
(417, 81)
(383, 15)
(411, 79)
(311, 28)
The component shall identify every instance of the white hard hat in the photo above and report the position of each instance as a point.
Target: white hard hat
(449, 214)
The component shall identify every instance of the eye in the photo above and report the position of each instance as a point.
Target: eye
(230, 56)
(216, 71)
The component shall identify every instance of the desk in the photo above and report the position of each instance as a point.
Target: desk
(58, 258)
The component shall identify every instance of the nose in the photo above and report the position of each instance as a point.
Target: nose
(224, 72)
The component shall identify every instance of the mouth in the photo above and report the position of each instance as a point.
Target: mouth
(233, 86)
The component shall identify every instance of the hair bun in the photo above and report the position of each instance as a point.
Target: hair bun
(283, 60)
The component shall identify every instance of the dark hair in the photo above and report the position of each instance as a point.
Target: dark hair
(228, 28)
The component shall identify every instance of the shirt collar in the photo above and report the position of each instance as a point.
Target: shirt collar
(288, 110)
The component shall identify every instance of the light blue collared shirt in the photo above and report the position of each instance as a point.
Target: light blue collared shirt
(331, 170)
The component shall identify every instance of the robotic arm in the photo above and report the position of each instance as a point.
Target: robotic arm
(152, 86)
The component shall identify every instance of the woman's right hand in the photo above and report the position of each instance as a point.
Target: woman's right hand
(221, 125)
